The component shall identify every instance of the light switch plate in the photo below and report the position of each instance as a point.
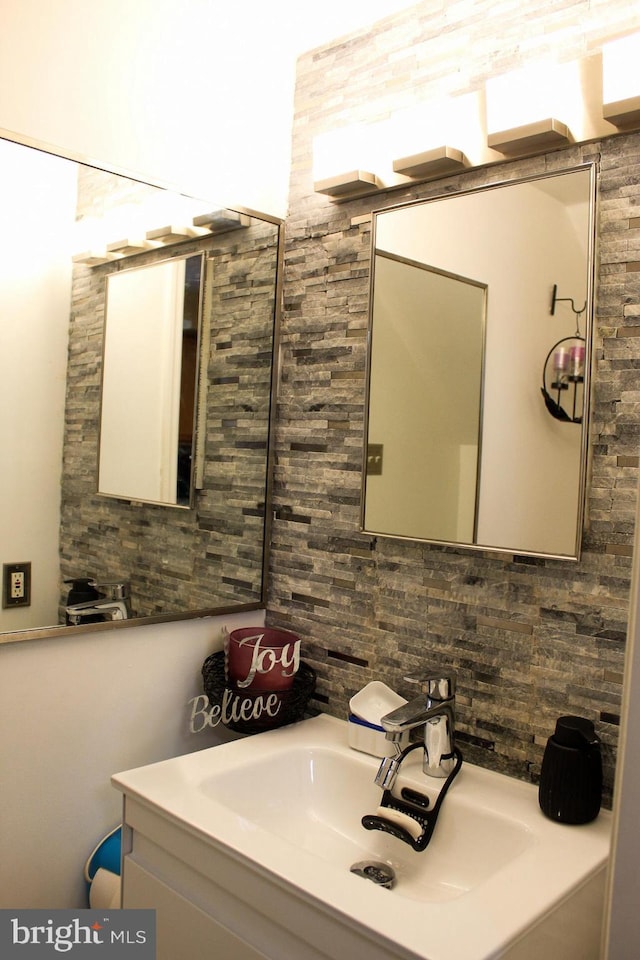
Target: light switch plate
(374, 459)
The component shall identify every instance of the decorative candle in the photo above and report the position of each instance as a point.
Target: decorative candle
(560, 360)
(576, 360)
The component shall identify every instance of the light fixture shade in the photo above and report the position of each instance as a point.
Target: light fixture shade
(436, 138)
(530, 137)
(353, 183)
(221, 221)
(621, 81)
(128, 246)
(94, 258)
(174, 233)
(527, 110)
(347, 161)
(431, 163)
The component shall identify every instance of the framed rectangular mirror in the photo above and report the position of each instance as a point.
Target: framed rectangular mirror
(61, 248)
(478, 366)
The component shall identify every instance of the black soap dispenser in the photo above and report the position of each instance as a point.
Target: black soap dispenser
(571, 776)
(83, 589)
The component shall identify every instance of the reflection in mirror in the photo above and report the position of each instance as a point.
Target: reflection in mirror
(176, 562)
(149, 381)
(464, 314)
(439, 501)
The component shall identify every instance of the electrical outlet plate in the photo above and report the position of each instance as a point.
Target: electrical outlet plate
(16, 585)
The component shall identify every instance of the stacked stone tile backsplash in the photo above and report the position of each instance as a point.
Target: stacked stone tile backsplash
(177, 559)
(530, 639)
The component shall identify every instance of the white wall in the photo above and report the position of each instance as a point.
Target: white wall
(35, 284)
(151, 87)
(198, 94)
(74, 710)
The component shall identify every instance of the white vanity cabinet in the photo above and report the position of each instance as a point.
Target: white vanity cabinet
(245, 851)
(188, 904)
(209, 903)
(181, 926)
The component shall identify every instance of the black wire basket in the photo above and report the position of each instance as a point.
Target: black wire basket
(253, 711)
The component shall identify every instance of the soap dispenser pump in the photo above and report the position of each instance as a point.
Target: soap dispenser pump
(571, 776)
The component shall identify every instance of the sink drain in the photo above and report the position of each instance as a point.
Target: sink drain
(379, 873)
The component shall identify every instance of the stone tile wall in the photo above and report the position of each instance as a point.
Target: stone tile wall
(175, 559)
(530, 639)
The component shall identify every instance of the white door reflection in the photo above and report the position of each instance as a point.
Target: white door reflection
(425, 400)
(146, 362)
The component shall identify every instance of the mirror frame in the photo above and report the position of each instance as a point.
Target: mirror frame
(594, 181)
(57, 630)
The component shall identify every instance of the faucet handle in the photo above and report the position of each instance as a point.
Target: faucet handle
(437, 686)
(115, 589)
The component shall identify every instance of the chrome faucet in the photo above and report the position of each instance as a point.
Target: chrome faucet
(436, 710)
(112, 605)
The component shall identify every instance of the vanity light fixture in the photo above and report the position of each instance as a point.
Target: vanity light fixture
(621, 82)
(131, 245)
(351, 184)
(177, 219)
(90, 243)
(175, 234)
(95, 258)
(438, 162)
(524, 108)
(348, 161)
(128, 247)
(540, 135)
(565, 364)
(538, 107)
(221, 221)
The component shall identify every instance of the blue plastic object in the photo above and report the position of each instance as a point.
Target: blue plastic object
(365, 723)
(105, 854)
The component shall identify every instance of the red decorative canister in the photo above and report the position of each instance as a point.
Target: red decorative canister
(262, 658)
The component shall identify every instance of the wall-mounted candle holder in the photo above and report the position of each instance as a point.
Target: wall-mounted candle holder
(563, 370)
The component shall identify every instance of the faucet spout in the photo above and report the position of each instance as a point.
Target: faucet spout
(109, 609)
(435, 710)
(115, 606)
(389, 769)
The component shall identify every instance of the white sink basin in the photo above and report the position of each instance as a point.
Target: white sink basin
(315, 797)
(497, 880)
